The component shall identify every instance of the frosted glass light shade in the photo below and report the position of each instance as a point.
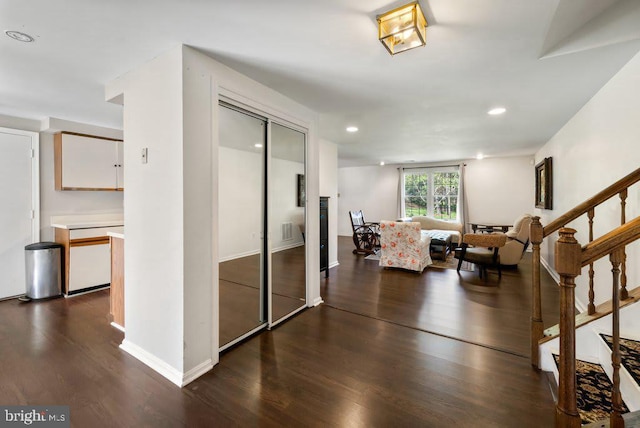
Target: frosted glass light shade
(403, 28)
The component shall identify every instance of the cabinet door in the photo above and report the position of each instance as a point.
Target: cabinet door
(88, 163)
(120, 167)
(89, 266)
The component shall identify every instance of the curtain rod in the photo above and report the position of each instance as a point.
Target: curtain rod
(432, 166)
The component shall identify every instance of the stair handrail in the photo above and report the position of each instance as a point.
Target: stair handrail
(538, 232)
(597, 199)
(616, 239)
(570, 258)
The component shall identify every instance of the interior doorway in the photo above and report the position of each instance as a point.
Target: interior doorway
(20, 212)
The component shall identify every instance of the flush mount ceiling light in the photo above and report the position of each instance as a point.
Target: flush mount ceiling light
(352, 129)
(17, 35)
(496, 111)
(403, 28)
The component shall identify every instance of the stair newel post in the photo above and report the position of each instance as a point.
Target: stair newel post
(568, 256)
(624, 294)
(616, 420)
(536, 235)
(591, 308)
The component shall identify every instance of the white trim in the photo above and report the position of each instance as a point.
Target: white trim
(317, 301)
(35, 177)
(196, 372)
(549, 269)
(160, 366)
(153, 362)
(334, 264)
(117, 326)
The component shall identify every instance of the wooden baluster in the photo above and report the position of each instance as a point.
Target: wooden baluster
(568, 254)
(616, 399)
(624, 294)
(537, 327)
(616, 420)
(591, 308)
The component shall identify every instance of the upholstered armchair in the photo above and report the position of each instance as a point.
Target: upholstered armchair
(495, 249)
(404, 245)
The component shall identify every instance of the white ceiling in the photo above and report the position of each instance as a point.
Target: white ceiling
(542, 60)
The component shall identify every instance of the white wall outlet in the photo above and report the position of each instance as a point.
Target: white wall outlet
(144, 155)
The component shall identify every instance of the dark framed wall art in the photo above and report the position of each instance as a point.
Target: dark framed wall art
(544, 184)
(301, 195)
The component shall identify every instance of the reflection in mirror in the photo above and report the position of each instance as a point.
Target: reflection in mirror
(287, 220)
(241, 195)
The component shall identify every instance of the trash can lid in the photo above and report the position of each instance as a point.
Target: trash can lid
(43, 246)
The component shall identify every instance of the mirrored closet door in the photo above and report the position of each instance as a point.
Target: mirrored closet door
(241, 193)
(287, 193)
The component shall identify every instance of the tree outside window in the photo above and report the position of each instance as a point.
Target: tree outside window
(433, 193)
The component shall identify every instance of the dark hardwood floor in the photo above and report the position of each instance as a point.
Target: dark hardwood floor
(362, 359)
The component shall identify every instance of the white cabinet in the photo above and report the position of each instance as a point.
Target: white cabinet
(87, 258)
(85, 162)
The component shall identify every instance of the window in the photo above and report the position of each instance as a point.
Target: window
(432, 192)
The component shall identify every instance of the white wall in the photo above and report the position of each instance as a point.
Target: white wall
(372, 189)
(598, 146)
(329, 187)
(498, 190)
(154, 199)
(171, 215)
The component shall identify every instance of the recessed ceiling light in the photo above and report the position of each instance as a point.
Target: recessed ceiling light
(352, 129)
(381, 163)
(257, 145)
(479, 156)
(496, 111)
(17, 35)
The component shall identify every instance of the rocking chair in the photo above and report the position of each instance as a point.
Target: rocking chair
(366, 236)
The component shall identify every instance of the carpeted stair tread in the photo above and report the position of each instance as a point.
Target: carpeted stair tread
(629, 355)
(594, 392)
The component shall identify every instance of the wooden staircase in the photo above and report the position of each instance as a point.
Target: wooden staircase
(570, 258)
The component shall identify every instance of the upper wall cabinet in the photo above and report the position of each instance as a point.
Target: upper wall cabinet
(85, 162)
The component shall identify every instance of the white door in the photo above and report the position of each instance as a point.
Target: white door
(19, 211)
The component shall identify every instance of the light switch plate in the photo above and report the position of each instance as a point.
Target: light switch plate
(144, 155)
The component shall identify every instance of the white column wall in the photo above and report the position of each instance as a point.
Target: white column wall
(329, 187)
(171, 204)
(598, 146)
(154, 214)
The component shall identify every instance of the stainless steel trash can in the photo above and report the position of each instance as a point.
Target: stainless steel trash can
(43, 261)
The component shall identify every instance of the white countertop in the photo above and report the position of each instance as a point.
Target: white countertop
(84, 221)
(116, 233)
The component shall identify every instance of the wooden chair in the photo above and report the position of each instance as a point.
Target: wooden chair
(366, 235)
(481, 250)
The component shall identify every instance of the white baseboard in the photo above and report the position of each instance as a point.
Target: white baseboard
(196, 372)
(117, 326)
(334, 264)
(551, 270)
(174, 375)
(317, 301)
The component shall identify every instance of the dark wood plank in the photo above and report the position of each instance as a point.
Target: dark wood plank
(493, 312)
(325, 367)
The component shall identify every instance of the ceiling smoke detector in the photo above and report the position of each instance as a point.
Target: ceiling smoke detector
(17, 35)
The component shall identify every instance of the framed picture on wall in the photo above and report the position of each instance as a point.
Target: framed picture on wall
(544, 184)
(301, 194)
